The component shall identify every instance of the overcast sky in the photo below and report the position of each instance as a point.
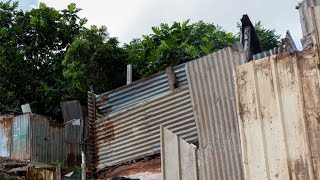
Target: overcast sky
(128, 19)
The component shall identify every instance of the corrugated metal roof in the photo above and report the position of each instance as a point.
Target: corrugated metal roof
(134, 132)
(278, 100)
(213, 99)
(138, 91)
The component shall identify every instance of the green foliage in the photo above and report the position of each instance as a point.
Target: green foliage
(96, 59)
(47, 56)
(268, 37)
(59, 162)
(176, 44)
(76, 169)
(32, 47)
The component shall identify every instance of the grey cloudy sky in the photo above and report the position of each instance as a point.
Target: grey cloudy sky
(128, 19)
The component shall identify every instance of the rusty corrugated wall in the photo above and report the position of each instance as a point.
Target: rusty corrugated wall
(34, 139)
(127, 119)
(213, 100)
(278, 101)
(5, 135)
(134, 132)
(55, 143)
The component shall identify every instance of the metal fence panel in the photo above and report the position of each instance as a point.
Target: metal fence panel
(5, 135)
(20, 137)
(134, 132)
(179, 159)
(278, 101)
(71, 110)
(213, 99)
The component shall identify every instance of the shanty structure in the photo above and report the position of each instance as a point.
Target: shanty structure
(31, 137)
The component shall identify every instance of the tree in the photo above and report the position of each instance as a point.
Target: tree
(176, 44)
(96, 59)
(268, 37)
(32, 47)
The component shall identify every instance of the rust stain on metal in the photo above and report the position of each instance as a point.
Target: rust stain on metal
(109, 128)
(301, 169)
(284, 116)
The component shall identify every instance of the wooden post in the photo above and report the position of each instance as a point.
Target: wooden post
(171, 78)
(58, 172)
(129, 73)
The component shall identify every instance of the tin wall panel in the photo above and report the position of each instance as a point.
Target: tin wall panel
(20, 137)
(71, 110)
(34, 139)
(55, 143)
(5, 135)
(310, 22)
(139, 91)
(179, 159)
(73, 139)
(213, 100)
(134, 132)
(278, 101)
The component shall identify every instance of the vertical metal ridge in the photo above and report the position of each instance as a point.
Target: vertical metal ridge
(212, 115)
(218, 108)
(212, 93)
(224, 117)
(259, 115)
(233, 112)
(303, 115)
(287, 107)
(202, 85)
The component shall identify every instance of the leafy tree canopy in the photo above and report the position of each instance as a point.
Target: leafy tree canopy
(32, 46)
(48, 56)
(268, 37)
(176, 44)
(96, 59)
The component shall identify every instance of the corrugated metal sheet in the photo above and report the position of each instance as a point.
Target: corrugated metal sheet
(46, 142)
(55, 143)
(20, 137)
(278, 101)
(287, 45)
(310, 22)
(5, 135)
(34, 139)
(179, 159)
(73, 139)
(134, 132)
(313, 3)
(213, 100)
(138, 92)
(71, 110)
